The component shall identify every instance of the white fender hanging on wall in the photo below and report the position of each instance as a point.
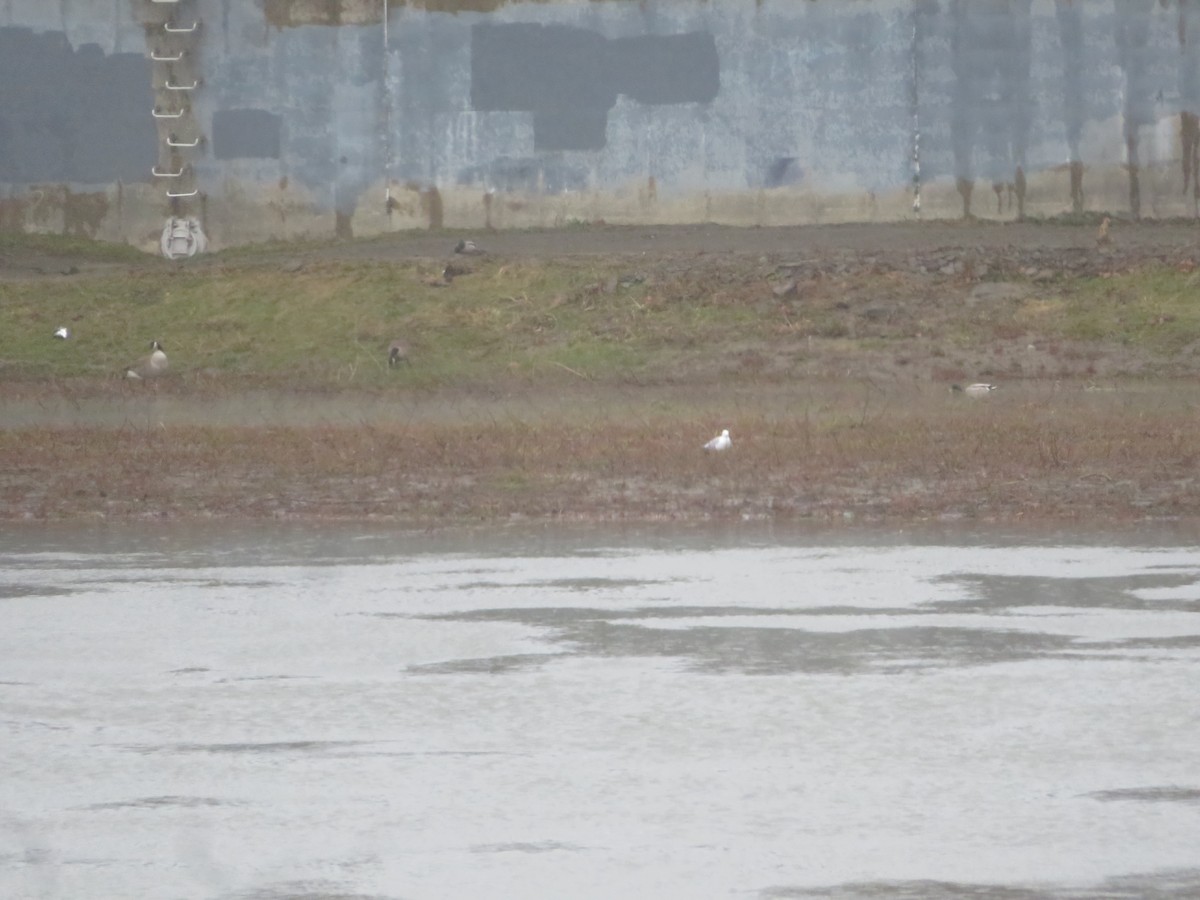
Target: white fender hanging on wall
(182, 237)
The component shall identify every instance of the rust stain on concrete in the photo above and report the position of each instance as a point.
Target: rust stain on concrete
(12, 214)
(84, 213)
(457, 6)
(1189, 132)
(965, 186)
(1076, 186)
(1134, 168)
(81, 214)
(431, 207)
(292, 13)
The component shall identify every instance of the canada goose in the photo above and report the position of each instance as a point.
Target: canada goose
(63, 333)
(397, 353)
(720, 442)
(979, 389)
(468, 248)
(154, 365)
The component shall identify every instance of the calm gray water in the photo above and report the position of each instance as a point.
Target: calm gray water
(345, 713)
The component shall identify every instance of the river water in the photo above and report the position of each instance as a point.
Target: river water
(339, 712)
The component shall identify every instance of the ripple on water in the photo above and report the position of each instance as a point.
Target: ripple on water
(525, 847)
(1172, 793)
(265, 747)
(488, 665)
(169, 800)
(1176, 884)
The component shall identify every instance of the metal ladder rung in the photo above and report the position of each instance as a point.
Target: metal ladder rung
(173, 141)
(192, 193)
(166, 57)
(158, 174)
(171, 86)
(158, 114)
(172, 29)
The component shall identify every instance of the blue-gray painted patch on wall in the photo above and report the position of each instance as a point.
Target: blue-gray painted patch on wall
(744, 110)
(246, 134)
(992, 105)
(1074, 109)
(570, 78)
(78, 116)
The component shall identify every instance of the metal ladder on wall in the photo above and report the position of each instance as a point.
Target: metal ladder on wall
(173, 41)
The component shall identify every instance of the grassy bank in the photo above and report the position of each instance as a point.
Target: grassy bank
(325, 324)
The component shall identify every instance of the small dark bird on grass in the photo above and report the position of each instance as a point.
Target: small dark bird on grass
(397, 353)
(452, 271)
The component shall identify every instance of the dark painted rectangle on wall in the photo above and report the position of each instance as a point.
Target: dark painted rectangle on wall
(569, 78)
(663, 69)
(246, 134)
(70, 115)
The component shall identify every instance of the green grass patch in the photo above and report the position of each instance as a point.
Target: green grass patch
(330, 323)
(15, 244)
(1155, 309)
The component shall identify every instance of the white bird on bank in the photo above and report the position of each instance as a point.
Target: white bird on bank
(63, 333)
(154, 365)
(720, 442)
(980, 389)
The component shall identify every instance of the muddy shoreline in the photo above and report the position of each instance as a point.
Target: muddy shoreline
(838, 456)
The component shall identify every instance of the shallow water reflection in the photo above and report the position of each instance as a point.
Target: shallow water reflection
(340, 712)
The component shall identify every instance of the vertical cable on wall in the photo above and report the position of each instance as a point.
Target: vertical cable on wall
(386, 119)
(915, 101)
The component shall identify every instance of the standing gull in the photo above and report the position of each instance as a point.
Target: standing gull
(63, 333)
(720, 442)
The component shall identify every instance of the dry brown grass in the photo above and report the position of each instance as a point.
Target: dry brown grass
(1053, 456)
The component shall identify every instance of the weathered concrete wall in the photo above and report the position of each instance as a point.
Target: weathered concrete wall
(322, 117)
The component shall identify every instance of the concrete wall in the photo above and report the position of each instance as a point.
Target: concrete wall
(323, 117)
